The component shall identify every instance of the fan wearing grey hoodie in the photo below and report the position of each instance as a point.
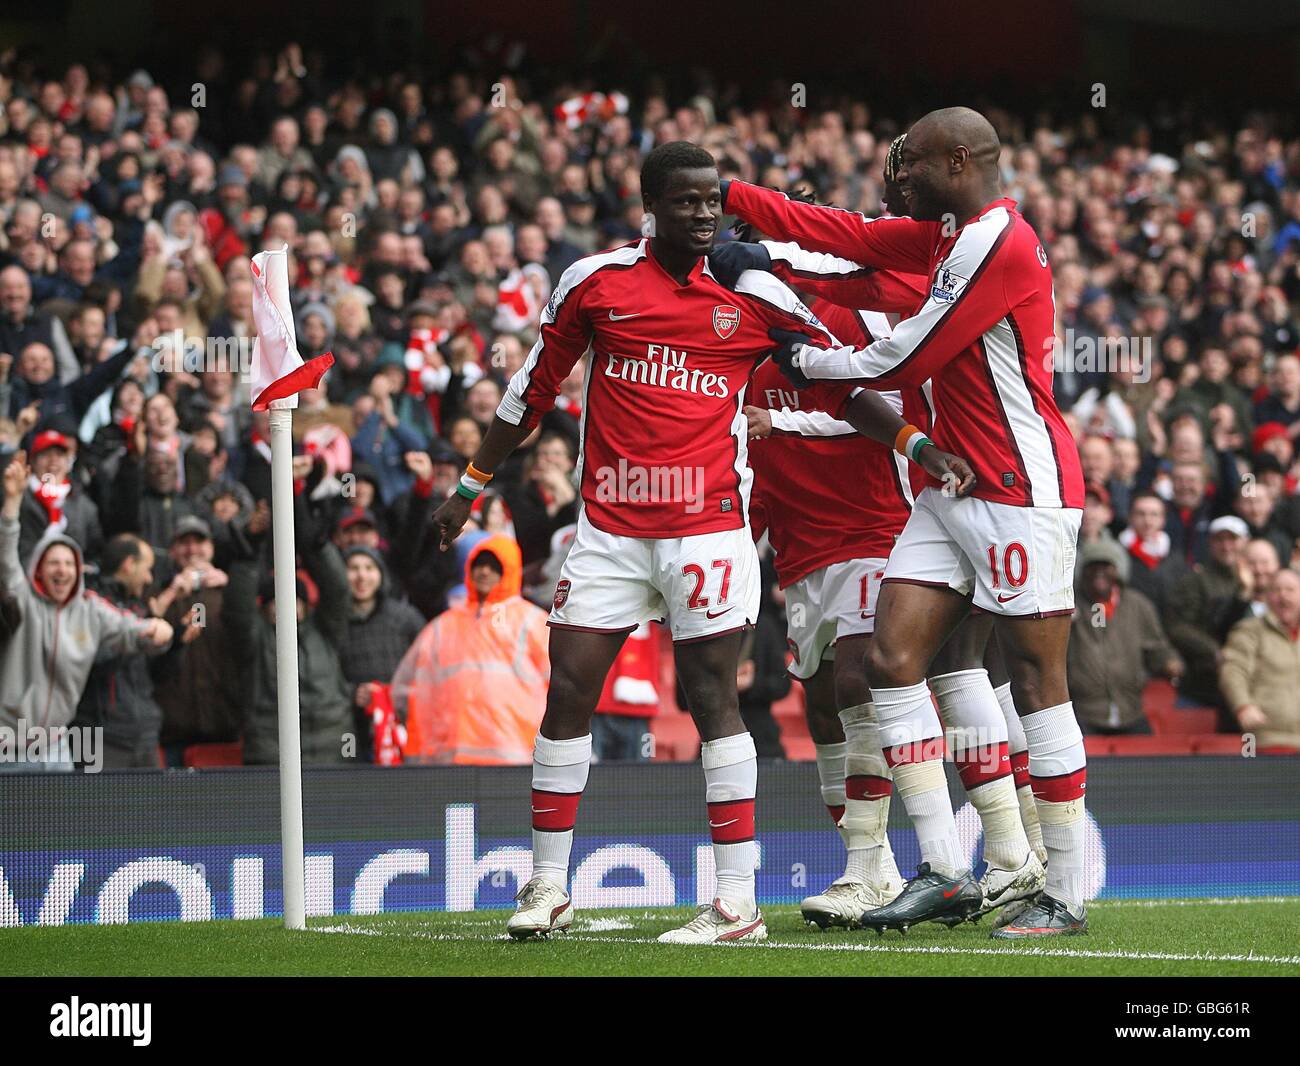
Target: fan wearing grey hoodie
(45, 664)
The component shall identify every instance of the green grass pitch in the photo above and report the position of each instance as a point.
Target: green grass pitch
(1127, 937)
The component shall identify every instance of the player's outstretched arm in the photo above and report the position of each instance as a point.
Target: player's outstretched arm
(502, 439)
(874, 417)
(843, 281)
(897, 243)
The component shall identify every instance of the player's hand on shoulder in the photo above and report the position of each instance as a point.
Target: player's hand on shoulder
(760, 422)
(786, 355)
(729, 261)
(956, 474)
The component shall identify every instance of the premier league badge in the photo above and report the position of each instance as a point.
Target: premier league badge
(947, 285)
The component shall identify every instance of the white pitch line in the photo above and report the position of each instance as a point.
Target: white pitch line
(1209, 901)
(885, 949)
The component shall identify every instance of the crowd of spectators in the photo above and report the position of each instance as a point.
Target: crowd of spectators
(427, 220)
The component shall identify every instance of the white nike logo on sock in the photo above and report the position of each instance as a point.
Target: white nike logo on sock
(545, 810)
(723, 825)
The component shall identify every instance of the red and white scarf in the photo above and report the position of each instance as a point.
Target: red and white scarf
(51, 495)
(1150, 552)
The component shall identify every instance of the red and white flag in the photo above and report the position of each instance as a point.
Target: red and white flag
(577, 110)
(279, 373)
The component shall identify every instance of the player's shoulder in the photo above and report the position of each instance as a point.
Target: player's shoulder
(1023, 250)
(769, 290)
(590, 268)
(990, 236)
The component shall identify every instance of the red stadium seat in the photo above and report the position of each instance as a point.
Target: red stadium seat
(1165, 744)
(676, 738)
(1176, 730)
(799, 749)
(1158, 701)
(215, 754)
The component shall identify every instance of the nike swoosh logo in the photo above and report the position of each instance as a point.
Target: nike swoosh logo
(871, 615)
(710, 614)
(545, 810)
(1008, 599)
(723, 825)
(619, 318)
(948, 893)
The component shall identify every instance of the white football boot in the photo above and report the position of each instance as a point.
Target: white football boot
(717, 923)
(1002, 887)
(844, 902)
(544, 908)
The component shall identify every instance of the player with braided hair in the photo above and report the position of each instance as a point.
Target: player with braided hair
(856, 789)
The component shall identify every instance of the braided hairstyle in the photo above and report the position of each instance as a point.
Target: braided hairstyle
(894, 158)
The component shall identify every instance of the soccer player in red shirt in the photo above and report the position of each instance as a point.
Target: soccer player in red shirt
(988, 743)
(984, 336)
(663, 530)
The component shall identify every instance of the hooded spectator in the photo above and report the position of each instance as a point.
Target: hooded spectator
(42, 677)
(381, 627)
(473, 685)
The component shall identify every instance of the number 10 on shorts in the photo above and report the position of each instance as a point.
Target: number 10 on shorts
(1010, 566)
(697, 600)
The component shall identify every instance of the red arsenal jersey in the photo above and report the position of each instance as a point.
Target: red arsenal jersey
(663, 434)
(843, 290)
(984, 334)
(824, 492)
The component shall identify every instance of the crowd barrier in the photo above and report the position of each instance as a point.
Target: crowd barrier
(198, 845)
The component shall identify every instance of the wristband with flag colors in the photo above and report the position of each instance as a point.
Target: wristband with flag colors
(909, 442)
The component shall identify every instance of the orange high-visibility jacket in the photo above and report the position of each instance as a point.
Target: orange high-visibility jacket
(474, 682)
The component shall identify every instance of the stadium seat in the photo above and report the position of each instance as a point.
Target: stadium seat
(676, 738)
(1164, 744)
(200, 755)
(799, 749)
(1158, 701)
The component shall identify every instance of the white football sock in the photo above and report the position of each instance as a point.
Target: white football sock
(972, 715)
(1058, 768)
(868, 786)
(911, 737)
(830, 773)
(1018, 749)
(730, 781)
(559, 777)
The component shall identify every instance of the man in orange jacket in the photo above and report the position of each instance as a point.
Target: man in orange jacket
(473, 685)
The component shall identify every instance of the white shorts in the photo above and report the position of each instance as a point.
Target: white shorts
(1013, 561)
(703, 586)
(829, 604)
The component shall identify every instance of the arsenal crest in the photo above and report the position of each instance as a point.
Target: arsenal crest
(726, 320)
(561, 594)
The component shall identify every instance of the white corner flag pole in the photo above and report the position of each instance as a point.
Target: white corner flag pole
(286, 668)
(279, 374)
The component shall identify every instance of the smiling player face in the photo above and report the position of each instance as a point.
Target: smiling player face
(923, 176)
(688, 213)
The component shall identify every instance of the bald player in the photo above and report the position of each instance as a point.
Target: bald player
(984, 336)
